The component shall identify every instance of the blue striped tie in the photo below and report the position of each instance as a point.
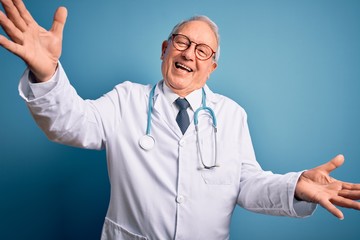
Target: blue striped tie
(182, 118)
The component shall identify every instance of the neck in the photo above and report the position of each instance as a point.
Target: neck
(181, 92)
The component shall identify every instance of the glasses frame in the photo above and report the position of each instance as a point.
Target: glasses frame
(196, 45)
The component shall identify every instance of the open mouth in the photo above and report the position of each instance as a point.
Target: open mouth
(183, 67)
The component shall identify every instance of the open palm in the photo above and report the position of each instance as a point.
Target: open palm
(39, 48)
(316, 185)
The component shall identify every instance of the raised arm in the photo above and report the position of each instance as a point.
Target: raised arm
(316, 185)
(38, 48)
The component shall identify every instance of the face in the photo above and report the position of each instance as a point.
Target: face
(181, 70)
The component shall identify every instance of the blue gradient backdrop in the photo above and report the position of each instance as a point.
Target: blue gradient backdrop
(293, 65)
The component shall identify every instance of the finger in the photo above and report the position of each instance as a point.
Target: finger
(59, 21)
(13, 14)
(24, 13)
(333, 164)
(332, 209)
(350, 194)
(350, 186)
(10, 46)
(347, 203)
(11, 30)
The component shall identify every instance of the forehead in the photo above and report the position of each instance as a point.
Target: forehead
(199, 32)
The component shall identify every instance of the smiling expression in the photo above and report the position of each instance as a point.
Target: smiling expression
(181, 70)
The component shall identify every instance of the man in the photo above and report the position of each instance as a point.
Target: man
(184, 180)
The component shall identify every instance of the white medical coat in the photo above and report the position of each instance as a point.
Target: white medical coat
(162, 193)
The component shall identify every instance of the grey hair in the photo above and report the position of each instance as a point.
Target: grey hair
(211, 24)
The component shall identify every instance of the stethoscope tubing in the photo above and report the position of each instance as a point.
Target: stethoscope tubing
(147, 142)
(150, 109)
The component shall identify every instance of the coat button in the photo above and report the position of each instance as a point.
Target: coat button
(182, 142)
(180, 199)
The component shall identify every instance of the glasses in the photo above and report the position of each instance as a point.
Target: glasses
(202, 51)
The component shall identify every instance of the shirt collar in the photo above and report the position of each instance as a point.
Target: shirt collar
(194, 98)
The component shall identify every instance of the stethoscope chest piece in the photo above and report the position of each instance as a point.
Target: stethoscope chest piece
(147, 142)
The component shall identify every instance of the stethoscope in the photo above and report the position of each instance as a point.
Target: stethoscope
(147, 142)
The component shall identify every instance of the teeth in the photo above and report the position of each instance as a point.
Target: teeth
(179, 65)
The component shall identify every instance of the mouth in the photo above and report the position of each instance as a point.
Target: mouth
(183, 67)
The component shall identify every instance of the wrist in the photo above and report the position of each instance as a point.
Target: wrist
(36, 78)
(297, 198)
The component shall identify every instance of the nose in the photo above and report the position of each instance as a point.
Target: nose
(189, 54)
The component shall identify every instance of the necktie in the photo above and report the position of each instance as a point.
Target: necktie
(182, 118)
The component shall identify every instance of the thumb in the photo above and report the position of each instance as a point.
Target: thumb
(59, 21)
(333, 163)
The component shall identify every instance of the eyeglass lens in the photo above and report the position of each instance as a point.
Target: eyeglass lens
(182, 42)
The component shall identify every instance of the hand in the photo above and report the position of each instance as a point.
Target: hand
(317, 186)
(39, 48)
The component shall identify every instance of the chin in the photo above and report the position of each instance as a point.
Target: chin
(179, 85)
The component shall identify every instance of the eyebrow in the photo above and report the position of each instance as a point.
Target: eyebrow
(194, 41)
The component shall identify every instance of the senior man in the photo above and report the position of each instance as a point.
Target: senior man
(184, 175)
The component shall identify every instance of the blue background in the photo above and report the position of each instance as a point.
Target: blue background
(293, 65)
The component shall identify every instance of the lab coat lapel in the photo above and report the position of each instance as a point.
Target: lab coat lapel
(204, 119)
(162, 111)
(211, 97)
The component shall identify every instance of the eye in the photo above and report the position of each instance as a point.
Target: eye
(182, 43)
(203, 51)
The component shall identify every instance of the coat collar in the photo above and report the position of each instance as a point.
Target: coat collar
(162, 107)
(210, 95)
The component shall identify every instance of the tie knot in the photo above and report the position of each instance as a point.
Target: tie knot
(182, 103)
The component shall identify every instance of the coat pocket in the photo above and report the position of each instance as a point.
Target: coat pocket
(218, 176)
(113, 231)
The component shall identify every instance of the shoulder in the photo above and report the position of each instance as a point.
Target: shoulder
(128, 86)
(124, 94)
(128, 89)
(224, 103)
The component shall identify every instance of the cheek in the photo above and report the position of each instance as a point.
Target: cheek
(163, 68)
(204, 72)
(165, 64)
(166, 60)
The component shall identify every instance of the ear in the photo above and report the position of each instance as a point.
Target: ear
(163, 49)
(212, 68)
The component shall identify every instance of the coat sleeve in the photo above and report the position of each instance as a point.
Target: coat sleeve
(63, 115)
(263, 191)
